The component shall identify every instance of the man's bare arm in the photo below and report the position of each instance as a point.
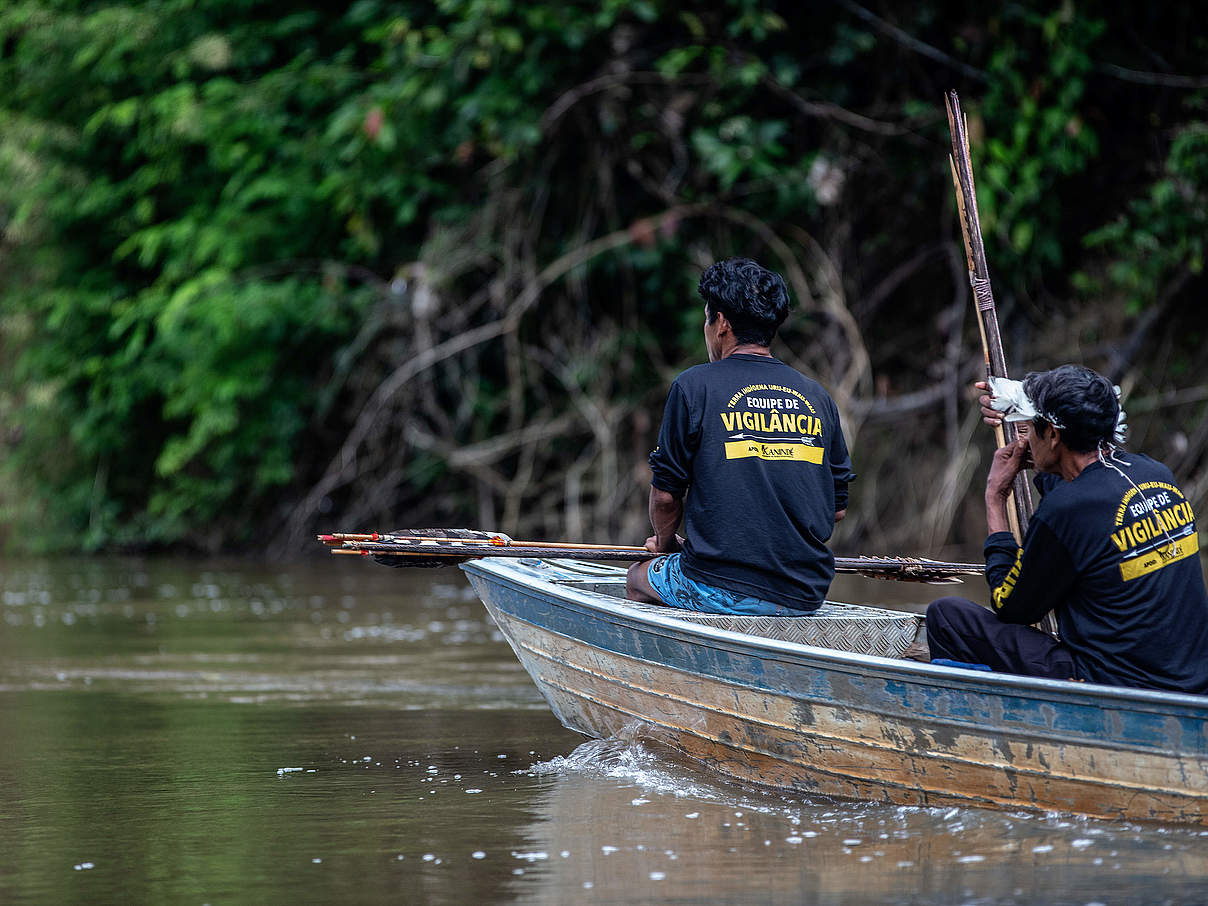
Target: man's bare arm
(1004, 466)
(666, 512)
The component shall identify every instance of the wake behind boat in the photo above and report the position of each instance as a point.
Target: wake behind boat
(824, 704)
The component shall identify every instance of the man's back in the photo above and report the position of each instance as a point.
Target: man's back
(759, 449)
(1137, 613)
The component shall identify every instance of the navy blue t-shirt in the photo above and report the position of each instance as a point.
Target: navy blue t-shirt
(758, 449)
(1120, 570)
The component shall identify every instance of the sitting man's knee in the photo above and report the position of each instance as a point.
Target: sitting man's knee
(941, 607)
(944, 612)
(948, 603)
(637, 584)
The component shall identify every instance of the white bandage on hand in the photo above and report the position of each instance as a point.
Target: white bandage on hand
(1010, 399)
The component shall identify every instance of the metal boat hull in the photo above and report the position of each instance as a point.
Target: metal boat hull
(819, 721)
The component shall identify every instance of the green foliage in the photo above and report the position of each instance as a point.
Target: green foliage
(223, 225)
(1159, 243)
(741, 148)
(1036, 136)
(164, 192)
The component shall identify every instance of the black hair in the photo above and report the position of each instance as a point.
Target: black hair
(754, 300)
(1081, 402)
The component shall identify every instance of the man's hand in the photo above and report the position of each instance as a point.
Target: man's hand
(673, 546)
(990, 416)
(993, 418)
(1008, 461)
(1006, 464)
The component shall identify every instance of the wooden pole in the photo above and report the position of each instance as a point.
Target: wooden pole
(1019, 504)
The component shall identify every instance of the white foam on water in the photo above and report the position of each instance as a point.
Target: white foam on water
(625, 760)
(531, 857)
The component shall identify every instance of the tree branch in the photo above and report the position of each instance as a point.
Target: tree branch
(910, 42)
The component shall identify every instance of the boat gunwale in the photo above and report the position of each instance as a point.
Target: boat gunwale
(514, 573)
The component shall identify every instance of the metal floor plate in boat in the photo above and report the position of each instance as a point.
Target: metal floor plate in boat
(842, 627)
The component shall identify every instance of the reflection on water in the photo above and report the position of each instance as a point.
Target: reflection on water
(315, 632)
(183, 731)
(630, 823)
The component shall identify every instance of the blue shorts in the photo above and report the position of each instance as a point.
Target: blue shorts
(677, 590)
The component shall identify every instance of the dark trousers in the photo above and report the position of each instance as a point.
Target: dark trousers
(960, 630)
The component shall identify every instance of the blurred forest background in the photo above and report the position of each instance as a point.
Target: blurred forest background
(274, 268)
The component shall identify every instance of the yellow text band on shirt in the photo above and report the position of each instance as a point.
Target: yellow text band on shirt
(1152, 561)
(741, 449)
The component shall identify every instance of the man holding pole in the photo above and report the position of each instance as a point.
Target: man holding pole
(752, 453)
(1112, 549)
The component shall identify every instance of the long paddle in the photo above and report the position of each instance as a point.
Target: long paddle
(1019, 505)
(441, 547)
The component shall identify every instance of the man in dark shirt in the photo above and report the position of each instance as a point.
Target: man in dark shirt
(752, 453)
(1112, 549)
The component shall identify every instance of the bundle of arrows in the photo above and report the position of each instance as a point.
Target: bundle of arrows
(440, 547)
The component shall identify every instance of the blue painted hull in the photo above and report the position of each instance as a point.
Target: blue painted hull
(816, 720)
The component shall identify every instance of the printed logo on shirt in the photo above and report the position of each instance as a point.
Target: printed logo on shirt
(1003, 591)
(1160, 529)
(773, 423)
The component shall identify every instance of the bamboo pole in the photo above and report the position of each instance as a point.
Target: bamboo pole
(1019, 503)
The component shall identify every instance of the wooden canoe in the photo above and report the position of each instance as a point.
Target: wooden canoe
(780, 703)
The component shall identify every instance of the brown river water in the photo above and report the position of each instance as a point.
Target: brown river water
(185, 731)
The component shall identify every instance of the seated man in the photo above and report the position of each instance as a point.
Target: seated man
(757, 449)
(1112, 549)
